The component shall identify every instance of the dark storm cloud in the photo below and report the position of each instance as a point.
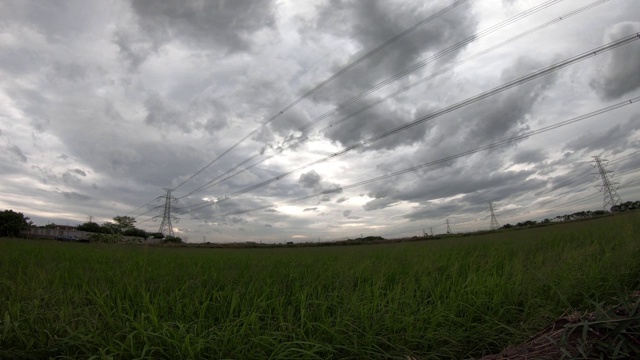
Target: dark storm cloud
(17, 154)
(369, 25)
(620, 75)
(503, 114)
(490, 119)
(226, 25)
(614, 139)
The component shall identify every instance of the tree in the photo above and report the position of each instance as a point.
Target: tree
(89, 226)
(12, 223)
(173, 239)
(136, 232)
(124, 223)
(120, 225)
(109, 228)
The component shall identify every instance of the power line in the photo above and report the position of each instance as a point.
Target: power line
(331, 78)
(440, 54)
(465, 60)
(414, 67)
(557, 66)
(442, 160)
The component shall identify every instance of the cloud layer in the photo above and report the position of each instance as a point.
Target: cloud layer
(103, 104)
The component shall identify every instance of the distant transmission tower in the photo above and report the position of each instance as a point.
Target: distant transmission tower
(166, 228)
(494, 220)
(448, 227)
(608, 187)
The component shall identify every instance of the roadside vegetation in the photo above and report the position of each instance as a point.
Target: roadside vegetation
(453, 298)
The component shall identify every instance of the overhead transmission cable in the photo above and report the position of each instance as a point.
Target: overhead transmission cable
(403, 89)
(557, 66)
(576, 178)
(448, 158)
(331, 78)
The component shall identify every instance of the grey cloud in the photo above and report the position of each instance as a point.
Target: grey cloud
(202, 113)
(502, 114)
(310, 209)
(529, 157)
(159, 114)
(227, 25)
(431, 211)
(71, 176)
(380, 203)
(78, 172)
(53, 20)
(371, 23)
(310, 179)
(614, 139)
(341, 200)
(17, 153)
(68, 71)
(620, 75)
(371, 28)
(268, 225)
(74, 196)
(346, 213)
(134, 47)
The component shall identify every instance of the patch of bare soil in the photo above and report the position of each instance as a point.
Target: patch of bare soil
(609, 332)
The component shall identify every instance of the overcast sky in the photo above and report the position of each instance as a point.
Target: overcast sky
(105, 103)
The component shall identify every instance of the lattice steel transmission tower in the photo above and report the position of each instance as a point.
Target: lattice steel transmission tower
(166, 228)
(448, 227)
(494, 220)
(608, 187)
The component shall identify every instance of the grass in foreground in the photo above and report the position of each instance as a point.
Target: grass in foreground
(448, 299)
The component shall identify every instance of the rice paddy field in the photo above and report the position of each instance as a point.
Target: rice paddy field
(453, 298)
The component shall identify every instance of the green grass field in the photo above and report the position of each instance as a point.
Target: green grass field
(446, 299)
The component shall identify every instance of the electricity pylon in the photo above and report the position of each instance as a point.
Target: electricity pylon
(166, 228)
(608, 187)
(494, 220)
(448, 227)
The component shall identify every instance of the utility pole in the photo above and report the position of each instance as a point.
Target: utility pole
(166, 228)
(448, 227)
(494, 220)
(608, 187)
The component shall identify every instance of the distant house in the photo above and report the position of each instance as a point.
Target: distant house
(53, 231)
